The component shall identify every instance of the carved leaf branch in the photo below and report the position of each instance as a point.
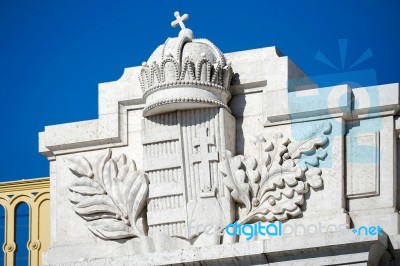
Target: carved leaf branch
(271, 185)
(234, 178)
(110, 194)
(307, 151)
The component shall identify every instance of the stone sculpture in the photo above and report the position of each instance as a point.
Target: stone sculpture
(191, 173)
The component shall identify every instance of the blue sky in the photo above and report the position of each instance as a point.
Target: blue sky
(54, 53)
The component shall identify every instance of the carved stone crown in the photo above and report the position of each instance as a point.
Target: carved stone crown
(185, 73)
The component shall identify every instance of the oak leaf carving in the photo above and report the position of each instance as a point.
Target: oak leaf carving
(272, 184)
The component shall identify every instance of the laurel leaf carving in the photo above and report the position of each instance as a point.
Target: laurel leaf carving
(111, 197)
(80, 166)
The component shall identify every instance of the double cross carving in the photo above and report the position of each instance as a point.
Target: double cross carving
(204, 157)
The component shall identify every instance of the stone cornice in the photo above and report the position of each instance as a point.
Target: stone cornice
(331, 102)
(116, 97)
(274, 72)
(24, 185)
(276, 249)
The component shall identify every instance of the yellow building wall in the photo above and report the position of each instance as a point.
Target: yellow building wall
(36, 193)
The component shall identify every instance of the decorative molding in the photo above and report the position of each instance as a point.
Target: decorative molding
(186, 100)
(334, 102)
(34, 245)
(194, 83)
(214, 75)
(214, 48)
(23, 185)
(9, 247)
(363, 176)
(36, 194)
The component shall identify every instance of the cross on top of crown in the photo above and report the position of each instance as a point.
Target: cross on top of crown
(179, 20)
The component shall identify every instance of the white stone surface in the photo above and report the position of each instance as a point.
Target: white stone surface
(218, 138)
(330, 248)
(363, 177)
